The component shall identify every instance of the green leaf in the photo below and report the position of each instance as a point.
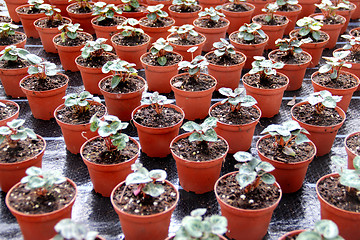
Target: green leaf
(158, 175)
(265, 166)
(198, 212)
(194, 227)
(268, 178)
(309, 235)
(137, 178)
(162, 60)
(327, 228)
(153, 190)
(245, 179)
(115, 81)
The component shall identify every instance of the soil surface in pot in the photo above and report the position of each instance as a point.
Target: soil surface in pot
(12, 39)
(353, 57)
(133, 84)
(7, 111)
(230, 192)
(51, 82)
(141, 8)
(45, 23)
(79, 10)
(237, 7)
(29, 10)
(256, 40)
(188, 83)
(140, 39)
(344, 81)
(270, 149)
(296, 59)
(71, 116)
(274, 81)
(226, 59)
(207, 23)
(329, 21)
(96, 151)
(336, 194)
(189, 40)
(159, 22)
(108, 22)
(187, 9)
(148, 117)
(307, 114)
(24, 150)
(353, 143)
(172, 59)
(224, 114)
(355, 33)
(276, 21)
(288, 8)
(143, 205)
(323, 37)
(5, 19)
(30, 201)
(81, 39)
(20, 63)
(96, 61)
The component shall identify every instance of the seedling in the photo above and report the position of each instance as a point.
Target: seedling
(334, 64)
(95, 49)
(68, 229)
(69, 30)
(51, 12)
(197, 227)
(15, 132)
(249, 31)
(324, 229)
(286, 135)
(156, 13)
(80, 102)
(353, 44)
(129, 30)
(185, 5)
(155, 100)
(252, 171)
(121, 70)
(159, 49)
(130, 5)
(236, 98)
(12, 54)
(310, 28)
(83, 4)
(270, 10)
(328, 9)
(193, 68)
(284, 3)
(323, 99)
(105, 11)
(291, 46)
(264, 68)
(7, 29)
(41, 69)
(212, 15)
(35, 4)
(110, 130)
(223, 49)
(184, 31)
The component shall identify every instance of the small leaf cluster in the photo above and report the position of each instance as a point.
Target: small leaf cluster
(93, 49)
(265, 68)
(286, 135)
(194, 67)
(323, 99)
(350, 177)
(223, 48)
(7, 29)
(352, 44)
(41, 68)
(130, 5)
(156, 12)
(110, 129)
(68, 229)
(155, 100)
(14, 132)
(197, 227)
(80, 102)
(184, 31)
(252, 171)
(35, 3)
(159, 49)
(105, 11)
(12, 53)
(324, 229)
(249, 31)
(69, 30)
(121, 71)
(128, 28)
(334, 64)
(328, 9)
(236, 98)
(202, 132)
(309, 27)
(291, 46)
(147, 180)
(211, 14)
(185, 4)
(83, 4)
(281, 3)
(51, 12)
(270, 9)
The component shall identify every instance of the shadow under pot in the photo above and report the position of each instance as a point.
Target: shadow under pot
(352, 147)
(8, 112)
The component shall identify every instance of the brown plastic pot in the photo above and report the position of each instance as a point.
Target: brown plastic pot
(182, 18)
(155, 142)
(291, 234)
(19, 44)
(308, 7)
(83, 18)
(347, 15)
(292, 16)
(12, 5)
(351, 155)
(105, 31)
(12, 117)
(10, 79)
(62, 5)
(237, 19)
(182, 49)
(156, 32)
(356, 13)
(197, 177)
(27, 20)
(322, 136)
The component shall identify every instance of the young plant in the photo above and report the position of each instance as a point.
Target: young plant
(248, 31)
(236, 98)
(353, 44)
(83, 4)
(35, 3)
(323, 99)
(184, 31)
(15, 132)
(264, 68)
(283, 4)
(41, 69)
(105, 11)
(68, 229)
(156, 13)
(51, 12)
(14, 55)
(328, 9)
(130, 5)
(69, 31)
(310, 28)
(287, 134)
(159, 49)
(197, 227)
(324, 229)
(155, 100)
(7, 29)
(291, 46)
(80, 102)
(185, 5)
(334, 64)
(95, 49)
(212, 15)
(128, 29)
(270, 9)
(223, 49)
(193, 68)
(121, 70)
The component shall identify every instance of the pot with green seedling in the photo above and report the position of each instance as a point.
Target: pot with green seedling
(69, 229)
(263, 81)
(289, 150)
(140, 203)
(199, 155)
(9, 110)
(237, 117)
(345, 9)
(352, 143)
(131, 42)
(21, 148)
(39, 201)
(8, 36)
(44, 87)
(133, 9)
(122, 90)
(80, 11)
(110, 155)
(157, 122)
(332, 78)
(247, 210)
(74, 117)
(290, 9)
(320, 116)
(166, 4)
(184, 11)
(61, 4)
(28, 13)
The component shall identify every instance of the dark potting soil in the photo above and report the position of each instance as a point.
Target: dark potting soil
(276, 21)
(269, 148)
(187, 9)
(143, 205)
(81, 39)
(199, 151)
(288, 8)
(229, 191)
(29, 10)
(353, 143)
(353, 57)
(5, 19)
(244, 116)
(256, 40)
(355, 33)
(190, 40)
(29, 202)
(336, 194)
(237, 7)
(296, 59)
(95, 62)
(119, 39)
(96, 151)
(329, 21)
(323, 37)
(51, 82)
(141, 8)
(207, 23)
(71, 116)
(188, 83)
(172, 59)
(275, 81)
(24, 150)
(108, 22)
(12, 39)
(148, 117)
(159, 22)
(77, 9)
(133, 84)
(7, 111)
(307, 114)
(344, 81)
(45, 23)
(20, 63)
(226, 59)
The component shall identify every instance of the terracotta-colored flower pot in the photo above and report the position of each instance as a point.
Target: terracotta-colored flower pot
(62, 5)
(122, 104)
(211, 3)
(308, 7)
(262, 96)
(354, 32)
(197, 177)
(292, 16)
(136, 15)
(12, 5)
(105, 31)
(195, 103)
(12, 173)
(158, 77)
(233, 132)
(182, 49)
(156, 32)
(345, 93)
(166, 3)
(182, 18)
(291, 234)
(12, 117)
(154, 227)
(245, 224)
(19, 44)
(355, 66)
(40, 226)
(83, 18)
(351, 155)
(322, 136)
(155, 142)
(347, 15)
(221, 238)
(10, 79)
(105, 177)
(356, 13)
(259, 4)
(43, 103)
(212, 34)
(27, 20)
(226, 76)
(237, 19)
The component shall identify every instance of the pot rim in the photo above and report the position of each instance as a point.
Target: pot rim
(338, 89)
(168, 17)
(236, 32)
(347, 137)
(136, 46)
(72, 4)
(172, 11)
(222, 18)
(267, 90)
(326, 34)
(306, 53)
(39, 19)
(180, 90)
(159, 67)
(12, 103)
(107, 53)
(320, 14)
(96, 25)
(231, 66)
(46, 91)
(246, 3)
(172, 34)
(69, 47)
(23, 6)
(287, 20)
(109, 76)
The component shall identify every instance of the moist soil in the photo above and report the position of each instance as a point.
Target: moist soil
(353, 57)
(244, 116)
(288, 8)
(148, 117)
(275, 81)
(29, 202)
(96, 151)
(237, 7)
(190, 40)
(307, 114)
(296, 59)
(229, 191)
(20, 63)
(172, 59)
(7, 111)
(226, 59)
(24, 150)
(144, 205)
(329, 21)
(159, 22)
(119, 39)
(71, 116)
(45, 23)
(208, 23)
(336, 194)
(108, 22)
(187, 9)
(187, 83)
(141, 8)
(344, 81)
(51, 82)
(12, 39)
(79, 10)
(276, 21)
(133, 84)
(29, 10)
(97, 61)
(323, 37)
(269, 148)
(256, 40)
(199, 151)
(5, 19)
(81, 39)
(353, 143)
